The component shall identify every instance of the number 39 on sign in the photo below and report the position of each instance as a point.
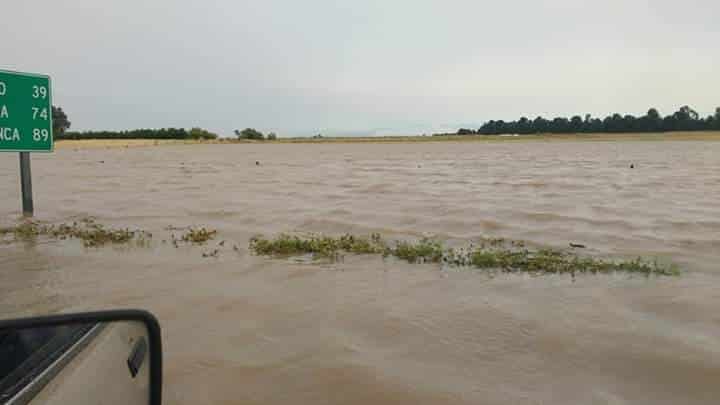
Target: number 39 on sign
(25, 112)
(39, 92)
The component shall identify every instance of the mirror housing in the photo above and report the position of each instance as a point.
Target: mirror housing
(126, 337)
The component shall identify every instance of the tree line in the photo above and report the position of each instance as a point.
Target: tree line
(685, 119)
(162, 133)
(61, 124)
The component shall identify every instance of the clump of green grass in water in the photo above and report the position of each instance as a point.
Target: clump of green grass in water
(321, 246)
(198, 236)
(23, 231)
(424, 251)
(552, 261)
(491, 255)
(91, 233)
(362, 245)
(286, 245)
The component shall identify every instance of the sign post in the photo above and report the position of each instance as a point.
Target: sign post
(25, 122)
(26, 184)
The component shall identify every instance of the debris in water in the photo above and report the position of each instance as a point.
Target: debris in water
(215, 253)
(198, 235)
(91, 233)
(492, 254)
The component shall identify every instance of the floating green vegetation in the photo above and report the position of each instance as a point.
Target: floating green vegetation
(562, 262)
(198, 236)
(425, 250)
(491, 254)
(24, 230)
(321, 246)
(91, 233)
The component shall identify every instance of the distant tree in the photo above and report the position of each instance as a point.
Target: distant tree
(560, 125)
(587, 123)
(653, 114)
(465, 131)
(487, 128)
(576, 124)
(524, 126)
(199, 133)
(614, 123)
(249, 133)
(597, 125)
(709, 122)
(592, 125)
(629, 123)
(689, 113)
(540, 125)
(501, 127)
(60, 121)
(651, 122)
(685, 119)
(272, 136)
(670, 123)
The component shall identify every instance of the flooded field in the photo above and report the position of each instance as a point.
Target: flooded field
(239, 328)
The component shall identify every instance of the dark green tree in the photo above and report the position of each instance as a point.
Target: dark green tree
(560, 125)
(540, 125)
(629, 124)
(60, 122)
(686, 119)
(524, 126)
(576, 124)
(199, 133)
(613, 123)
(651, 122)
(249, 133)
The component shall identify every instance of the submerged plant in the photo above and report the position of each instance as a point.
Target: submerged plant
(198, 236)
(91, 233)
(23, 231)
(321, 246)
(361, 245)
(425, 250)
(491, 255)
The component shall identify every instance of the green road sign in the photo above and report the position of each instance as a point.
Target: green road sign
(25, 112)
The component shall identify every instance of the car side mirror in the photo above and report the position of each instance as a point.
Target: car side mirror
(109, 357)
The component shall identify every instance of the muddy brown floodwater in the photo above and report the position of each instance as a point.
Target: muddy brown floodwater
(241, 329)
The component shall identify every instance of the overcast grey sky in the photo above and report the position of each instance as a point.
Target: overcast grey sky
(301, 67)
